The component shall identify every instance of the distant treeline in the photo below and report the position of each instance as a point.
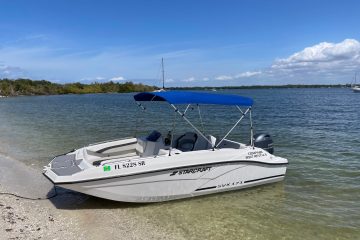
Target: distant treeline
(29, 87)
(19, 87)
(263, 87)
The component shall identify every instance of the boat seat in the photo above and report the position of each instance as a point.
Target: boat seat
(153, 136)
(202, 144)
(186, 142)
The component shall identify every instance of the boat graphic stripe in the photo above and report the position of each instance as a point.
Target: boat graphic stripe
(254, 180)
(205, 188)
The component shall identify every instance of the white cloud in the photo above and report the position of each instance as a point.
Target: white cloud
(92, 79)
(11, 72)
(206, 79)
(238, 76)
(190, 79)
(329, 56)
(324, 62)
(224, 77)
(169, 80)
(119, 78)
(247, 74)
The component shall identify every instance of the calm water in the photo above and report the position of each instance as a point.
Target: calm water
(316, 129)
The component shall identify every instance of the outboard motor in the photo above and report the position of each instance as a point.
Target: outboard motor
(264, 141)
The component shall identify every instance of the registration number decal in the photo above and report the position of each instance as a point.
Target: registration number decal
(130, 165)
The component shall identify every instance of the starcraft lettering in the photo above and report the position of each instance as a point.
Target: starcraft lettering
(190, 171)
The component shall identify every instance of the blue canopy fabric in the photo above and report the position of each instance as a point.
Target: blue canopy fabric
(188, 97)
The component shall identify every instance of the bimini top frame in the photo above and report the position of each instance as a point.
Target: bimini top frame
(188, 97)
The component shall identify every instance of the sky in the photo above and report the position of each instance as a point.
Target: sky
(203, 42)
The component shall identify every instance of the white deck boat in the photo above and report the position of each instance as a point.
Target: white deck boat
(354, 87)
(157, 168)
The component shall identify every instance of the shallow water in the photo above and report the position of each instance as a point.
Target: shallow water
(316, 129)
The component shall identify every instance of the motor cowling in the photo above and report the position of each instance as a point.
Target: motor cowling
(264, 141)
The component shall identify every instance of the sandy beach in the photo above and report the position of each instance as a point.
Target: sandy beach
(68, 215)
(24, 219)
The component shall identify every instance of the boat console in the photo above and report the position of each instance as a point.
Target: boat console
(150, 145)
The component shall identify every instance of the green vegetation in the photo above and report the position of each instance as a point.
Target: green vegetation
(29, 87)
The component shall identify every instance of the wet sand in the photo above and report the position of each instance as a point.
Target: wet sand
(68, 215)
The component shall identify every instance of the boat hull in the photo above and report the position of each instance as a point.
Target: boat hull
(180, 183)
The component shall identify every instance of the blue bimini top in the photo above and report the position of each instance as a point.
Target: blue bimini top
(187, 97)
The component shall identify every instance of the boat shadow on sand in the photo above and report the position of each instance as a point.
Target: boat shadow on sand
(63, 198)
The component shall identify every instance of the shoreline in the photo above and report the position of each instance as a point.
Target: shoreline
(213, 89)
(69, 215)
(29, 87)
